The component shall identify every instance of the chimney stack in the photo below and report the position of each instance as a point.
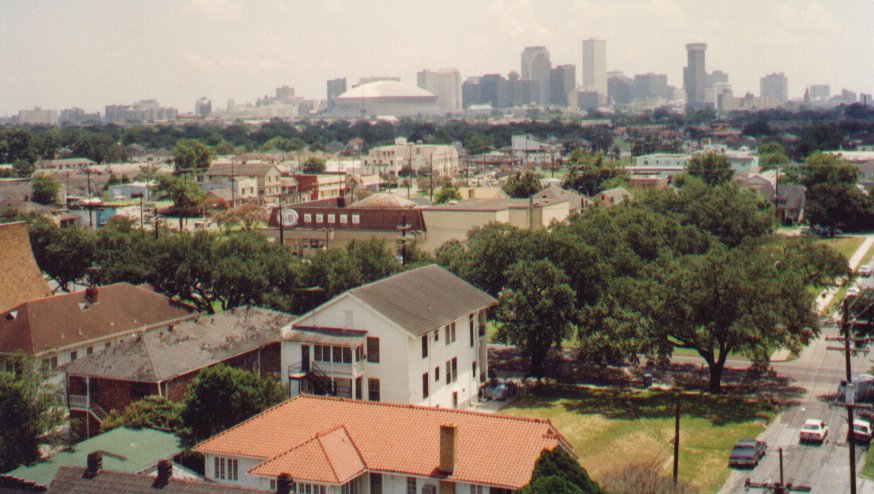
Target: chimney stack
(95, 464)
(284, 484)
(448, 446)
(91, 294)
(165, 472)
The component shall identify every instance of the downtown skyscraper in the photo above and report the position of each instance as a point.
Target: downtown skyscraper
(595, 65)
(695, 75)
(536, 67)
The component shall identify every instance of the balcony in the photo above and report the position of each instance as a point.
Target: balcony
(342, 370)
(81, 402)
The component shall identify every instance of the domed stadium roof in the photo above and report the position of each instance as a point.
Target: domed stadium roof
(383, 200)
(385, 89)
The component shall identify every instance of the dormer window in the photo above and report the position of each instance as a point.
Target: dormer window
(12, 315)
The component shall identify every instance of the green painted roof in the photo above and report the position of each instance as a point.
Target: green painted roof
(124, 450)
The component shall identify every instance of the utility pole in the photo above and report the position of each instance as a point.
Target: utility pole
(777, 487)
(777, 190)
(281, 226)
(404, 228)
(90, 201)
(431, 177)
(677, 439)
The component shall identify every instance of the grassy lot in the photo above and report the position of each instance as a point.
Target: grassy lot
(845, 245)
(868, 470)
(611, 428)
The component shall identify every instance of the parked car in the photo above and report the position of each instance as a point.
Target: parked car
(862, 431)
(814, 431)
(865, 270)
(864, 389)
(746, 453)
(853, 291)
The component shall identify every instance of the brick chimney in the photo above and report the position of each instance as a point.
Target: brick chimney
(95, 464)
(448, 446)
(91, 294)
(284, 483)
(165, 472)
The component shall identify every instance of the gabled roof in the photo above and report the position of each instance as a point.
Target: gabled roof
(67, 319)
(554, 193)
(166, 352)
(72, 480)
(124, 450)
(423, 299)
(329, 457)
(491, 449)
(20, 277)
(241, 170)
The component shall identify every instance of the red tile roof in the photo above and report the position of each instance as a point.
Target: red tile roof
(68, 319)
(492, 449)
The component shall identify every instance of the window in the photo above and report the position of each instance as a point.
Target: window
(53, 362)
(89, 350)
(332, 218)
(226, 469)
(338, 354)
(454, 369)
(425, 382)
(373, 389)
(496, 490)
(232, 470)
(424, 346)
(448, 372)
(411, 485)
(356, 219)
(139, 390)
(375, 483)
(373, 349)
(307, 218)
(437, 374)
(74, 355)
(470, 322)
(347, 488)
(347, 354)
(320, 218)
(322, 353)
(437, 335)
(273, 485)
(452, 333)
(477, 489)
(108, 345)
(358, 351)
(473, 367)
(344, 218)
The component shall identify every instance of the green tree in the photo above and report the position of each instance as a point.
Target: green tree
(711, 167)
(838, 205)
(221, 397)
(17, 144)
(333, 271)
(23, 168)
(30, 407)
(250, 215)
(826, 168)
(372, 259)
(536, 310)
(589, 174)
(122, 253)
(314, 164)
(189, 154)
(155, 412)
(65, 254)
(523, 184)
(446, 194)
(771, 155)
(477, 143)
(184, 193)
(557, 472)
(45, 190)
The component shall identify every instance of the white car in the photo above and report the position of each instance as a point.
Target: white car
(865, 270)
(862, 431)
(853, 291)
(814, 431)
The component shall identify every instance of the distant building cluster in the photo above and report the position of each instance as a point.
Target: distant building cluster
(147, 110)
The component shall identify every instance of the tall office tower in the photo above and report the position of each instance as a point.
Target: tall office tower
(445, 84)
(562, 80)
(820, 92)
(648, 86)
(620, 89)
(285, 93)
(695, 75)
(717, 77)
(203, 107)
(336, 87)
(595, 65)
(774, 86)
(536, 68)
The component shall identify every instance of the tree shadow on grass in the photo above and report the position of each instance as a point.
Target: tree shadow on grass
(627, 403)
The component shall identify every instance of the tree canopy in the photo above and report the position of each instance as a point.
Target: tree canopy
(712, 167)
(557, 472)
(589, 174)
(191, 154)
(45, 189)
(522, 185)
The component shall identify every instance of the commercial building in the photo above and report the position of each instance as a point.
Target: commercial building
(385, 98)
(142, 111)
(695, 75)
(649, 86)
(595, 65)
(620, 89)
(563, 80)
(820, 93)
(495, 91)
(445, 84)
(536, 68)
(203, 107)
(441, 160)
(336, 87)
(38, 116)
(78, 116)
(774, 86)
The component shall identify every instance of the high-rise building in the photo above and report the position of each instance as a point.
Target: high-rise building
(147, 110)
(820, 92)
(336, 87)
(285, 93)
(77, 116)
(774, 86)
(562, 80)
(620, 89)
(536, 68)
(848, 96)
(38, 116)
(695, 75)
(648, 86)
(717, 77)
(203, 107)
(595, 65)
(445, 84)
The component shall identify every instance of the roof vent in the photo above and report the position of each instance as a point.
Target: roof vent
(12, 315)
(84, 306)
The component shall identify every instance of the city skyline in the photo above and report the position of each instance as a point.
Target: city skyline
(92, 53)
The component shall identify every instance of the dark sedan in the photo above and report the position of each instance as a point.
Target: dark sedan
(746, 453)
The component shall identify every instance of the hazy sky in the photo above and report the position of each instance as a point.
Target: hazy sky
(89, 53)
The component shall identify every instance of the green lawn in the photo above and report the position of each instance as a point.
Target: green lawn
(845, 245)
(611, 428)
(868, 470)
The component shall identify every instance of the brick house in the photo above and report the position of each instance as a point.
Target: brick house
(165, 359)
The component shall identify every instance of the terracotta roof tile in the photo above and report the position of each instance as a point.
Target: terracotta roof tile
(20, 277)
(330, 457)
(68, 319)
(492, 449)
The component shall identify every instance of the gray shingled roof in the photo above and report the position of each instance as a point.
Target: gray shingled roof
(161, 354)
(423, 299)
(71, 480)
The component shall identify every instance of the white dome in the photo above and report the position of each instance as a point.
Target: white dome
(385, 89)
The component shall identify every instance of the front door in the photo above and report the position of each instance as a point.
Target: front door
(305, 358)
